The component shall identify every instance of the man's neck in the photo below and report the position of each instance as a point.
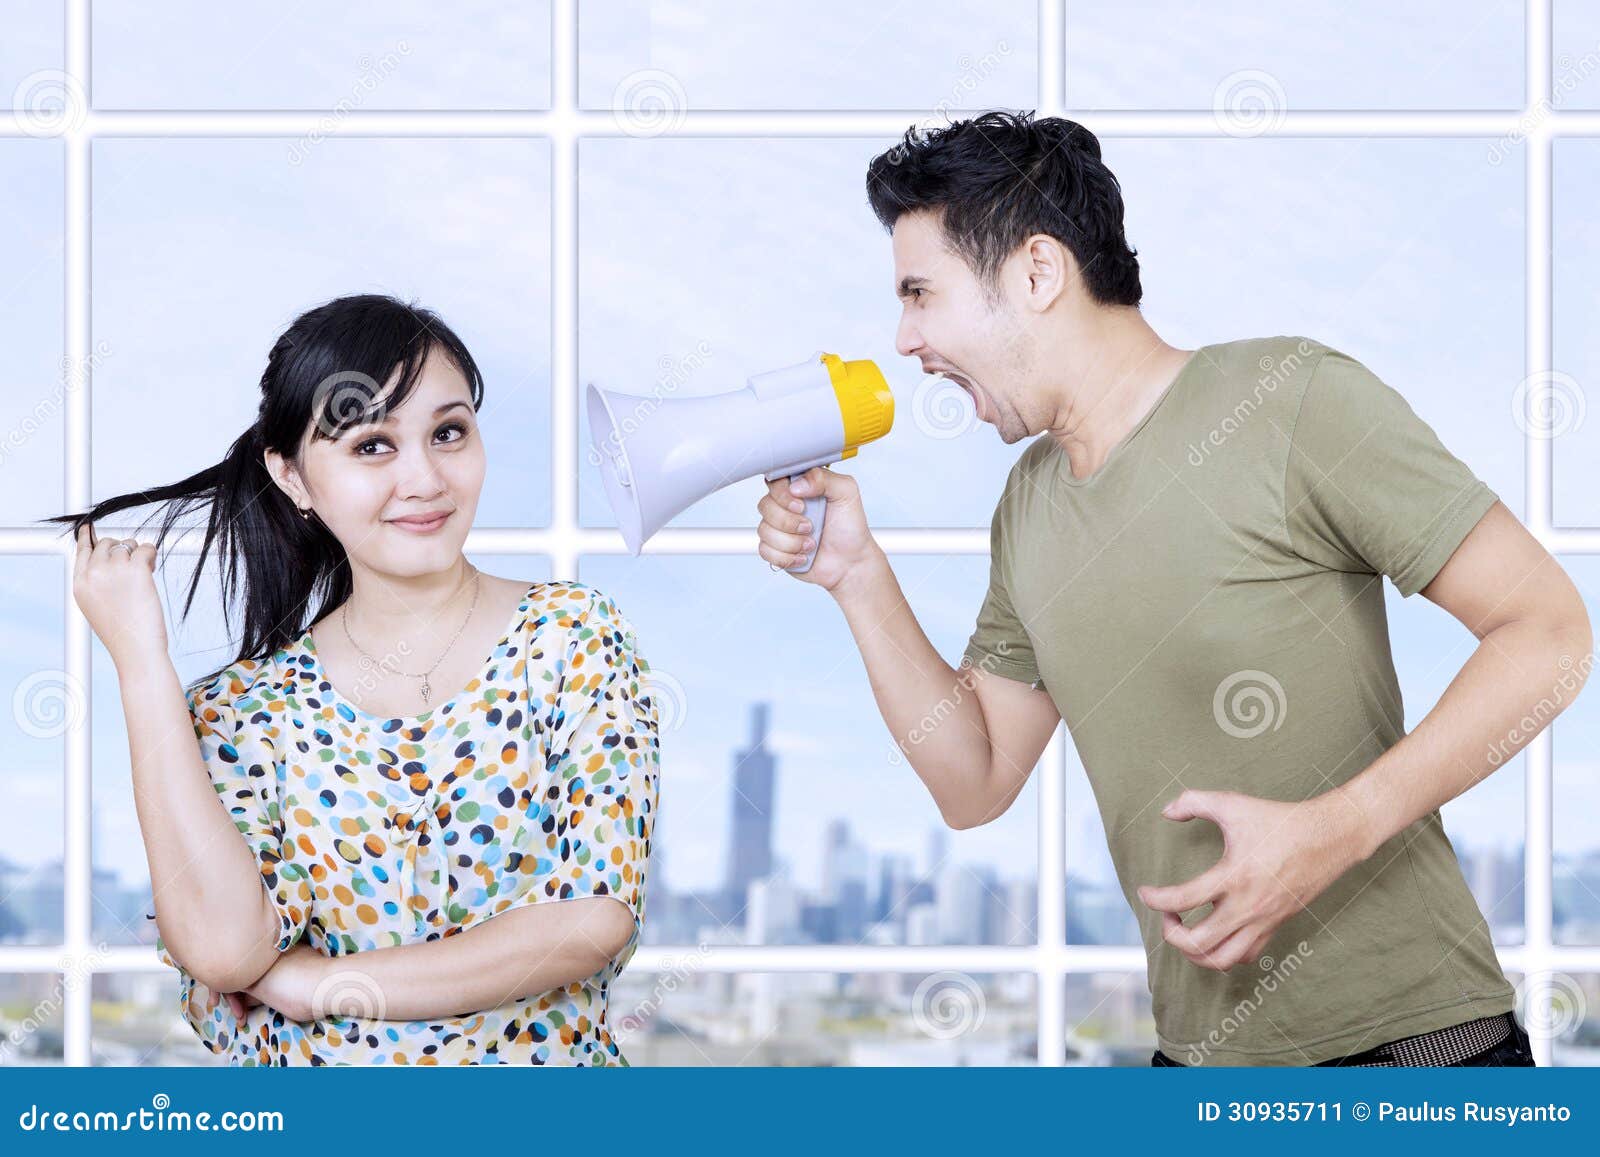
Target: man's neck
(1113, 370)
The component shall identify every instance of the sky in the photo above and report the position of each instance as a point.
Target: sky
(709, 260)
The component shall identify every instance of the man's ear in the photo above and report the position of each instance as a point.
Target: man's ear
(1049, 267)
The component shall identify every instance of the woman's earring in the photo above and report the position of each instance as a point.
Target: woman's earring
(305, 513)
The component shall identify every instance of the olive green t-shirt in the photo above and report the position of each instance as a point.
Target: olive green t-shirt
(1206, 611)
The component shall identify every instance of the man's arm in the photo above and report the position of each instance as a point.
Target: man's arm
(1534, 653)
(526, 950)
(972, 736)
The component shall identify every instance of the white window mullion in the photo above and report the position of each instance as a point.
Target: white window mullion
(77, 855)
(1538, 765)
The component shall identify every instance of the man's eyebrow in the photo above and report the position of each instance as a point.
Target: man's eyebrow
(907, 284)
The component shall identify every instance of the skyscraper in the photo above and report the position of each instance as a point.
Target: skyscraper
(750, 813)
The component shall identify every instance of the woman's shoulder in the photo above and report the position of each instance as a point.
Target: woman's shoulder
(569, 604)
(240, 681)
(588, 621)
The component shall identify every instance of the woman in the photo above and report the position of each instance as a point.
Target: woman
(444, 854)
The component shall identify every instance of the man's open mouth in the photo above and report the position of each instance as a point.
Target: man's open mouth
(966, 384)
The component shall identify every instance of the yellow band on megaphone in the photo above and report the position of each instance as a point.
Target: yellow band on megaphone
(865, 401)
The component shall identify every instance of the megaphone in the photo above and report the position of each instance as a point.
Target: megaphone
(661, 456)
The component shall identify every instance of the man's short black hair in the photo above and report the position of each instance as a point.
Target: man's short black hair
(1000, 178)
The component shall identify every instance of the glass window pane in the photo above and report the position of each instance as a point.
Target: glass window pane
(1575, 740)
(1564, 417)
(1575, 49)
(45, 706)
(31, 1015)
(370, 54)
(1246, 59)
(689, 1016)
(32, 53)
(1109, 1021)
(788, 815)
(248, 238)
(649, 59)
(1564, 1007)
(33, 394)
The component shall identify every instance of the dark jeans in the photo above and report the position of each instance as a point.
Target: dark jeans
(1515, 1050)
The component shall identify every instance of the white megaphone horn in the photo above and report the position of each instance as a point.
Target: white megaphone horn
(661, 456)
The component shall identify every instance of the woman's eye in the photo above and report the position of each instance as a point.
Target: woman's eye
(362, 448)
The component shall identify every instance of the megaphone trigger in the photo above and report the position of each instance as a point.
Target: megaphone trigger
(816, 507)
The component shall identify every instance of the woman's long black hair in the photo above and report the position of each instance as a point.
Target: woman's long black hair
(326, 369)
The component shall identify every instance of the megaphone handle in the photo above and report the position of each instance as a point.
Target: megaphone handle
(815, 509)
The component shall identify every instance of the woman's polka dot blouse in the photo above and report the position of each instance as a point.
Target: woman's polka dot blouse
(536, 783)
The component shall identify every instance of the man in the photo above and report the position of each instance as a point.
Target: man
(1186, 567)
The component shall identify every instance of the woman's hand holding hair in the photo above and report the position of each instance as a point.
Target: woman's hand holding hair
(115, 588)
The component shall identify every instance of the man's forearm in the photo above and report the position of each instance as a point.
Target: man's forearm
(527, 950)
(1521, 676)
(934, 719)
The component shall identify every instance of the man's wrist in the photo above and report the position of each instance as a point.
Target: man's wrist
(865, 574)
(1352, 824)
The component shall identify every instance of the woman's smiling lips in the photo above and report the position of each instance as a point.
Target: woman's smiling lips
(421, 523)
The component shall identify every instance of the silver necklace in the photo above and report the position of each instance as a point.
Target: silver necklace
(427, 689)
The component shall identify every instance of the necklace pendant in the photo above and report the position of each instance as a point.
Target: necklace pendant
(425, 689)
